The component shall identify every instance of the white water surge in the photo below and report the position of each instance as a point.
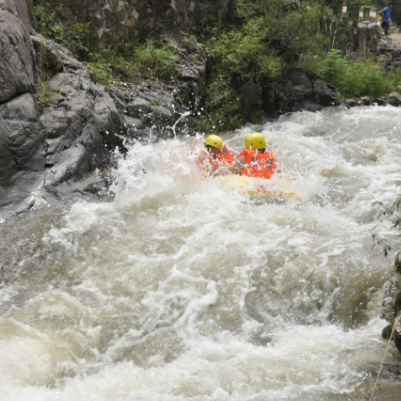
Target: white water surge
(179, 290)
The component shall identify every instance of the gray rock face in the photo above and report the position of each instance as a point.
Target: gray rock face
(22, 153)
(391, 305)
(81, 126)
(17, 56)
(45, 151)
(138, 108)
(300, 92)
(118, 21)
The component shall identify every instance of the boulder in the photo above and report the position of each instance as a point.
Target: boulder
(57, 58)
(350, 102)
(306, 105)
(81, 126)
(323, 93)
(138, 108)
(22, 152)
(394, 99)
(299, 91)
(17, 55)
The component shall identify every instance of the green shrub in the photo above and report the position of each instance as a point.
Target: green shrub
(147, 59)
(354, 75)
(161, 61)
(103, 72)
(226, 107)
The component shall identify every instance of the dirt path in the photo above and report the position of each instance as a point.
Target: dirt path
(395, 38)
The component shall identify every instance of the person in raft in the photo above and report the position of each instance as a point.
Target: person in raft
(385, 13)
(254, 161)
(220, 156)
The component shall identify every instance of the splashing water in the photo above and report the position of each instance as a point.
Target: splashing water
(179, 289)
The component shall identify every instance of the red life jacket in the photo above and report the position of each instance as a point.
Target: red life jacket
(261, 165)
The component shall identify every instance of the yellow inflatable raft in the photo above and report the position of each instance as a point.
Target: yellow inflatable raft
(259, 187)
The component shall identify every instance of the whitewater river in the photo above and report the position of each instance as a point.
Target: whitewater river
(178, 289)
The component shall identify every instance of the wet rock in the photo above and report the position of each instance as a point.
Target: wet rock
(366, 101)
(301, 86)
(323, 93)
(81, 125)
(17, 55)
(138, 108)
(360, 102)
(299, 92)
(391, 305)
(394, 99)
(307, 105)
(134, 123)
(22, 153)
(351, 102)
(381, 101)
(135, 128)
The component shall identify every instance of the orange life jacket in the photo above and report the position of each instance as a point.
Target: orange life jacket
(225, 158)
(261, 165)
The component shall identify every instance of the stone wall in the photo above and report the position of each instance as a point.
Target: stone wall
(119, 21)
(351, 35)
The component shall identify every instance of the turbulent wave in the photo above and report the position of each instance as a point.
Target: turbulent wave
(178, 289)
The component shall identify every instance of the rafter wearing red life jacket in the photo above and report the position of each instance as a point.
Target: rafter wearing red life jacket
(260, 165)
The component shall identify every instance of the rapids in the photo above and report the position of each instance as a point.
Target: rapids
(179, 290)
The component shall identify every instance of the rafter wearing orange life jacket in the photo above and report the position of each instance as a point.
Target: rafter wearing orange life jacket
(260, 165)
(225, 156)
(218, 151)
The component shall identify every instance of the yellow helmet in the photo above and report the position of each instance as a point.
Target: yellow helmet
(255, 140)
(215, 141)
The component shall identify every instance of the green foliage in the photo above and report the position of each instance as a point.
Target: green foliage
(354, 75)
(245, 56)
(160, 60)
(47, 19)
(226, 106)
(147, 59)
(73, 35)
(102, 71)
(43, 90)
(268, 33)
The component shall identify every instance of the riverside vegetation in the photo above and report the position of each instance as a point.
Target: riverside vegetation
(265, 37)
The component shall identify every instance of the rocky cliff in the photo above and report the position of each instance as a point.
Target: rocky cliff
(118, 22)
(41, 148)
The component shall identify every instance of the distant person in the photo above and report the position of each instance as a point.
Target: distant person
(385, 13)
(254, 161)
(220, 156)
